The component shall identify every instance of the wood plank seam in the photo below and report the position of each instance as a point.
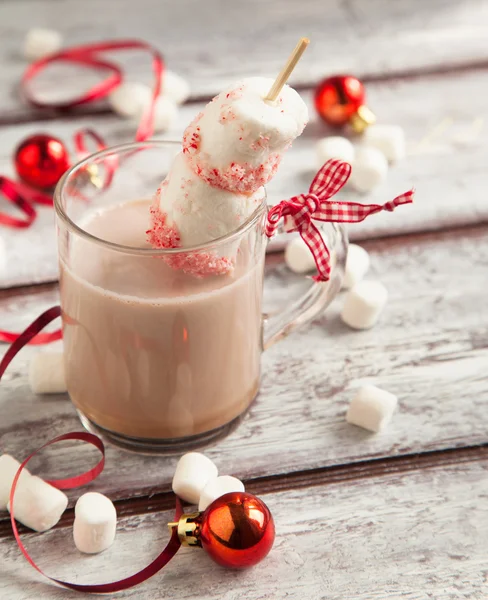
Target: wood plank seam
(377, 468)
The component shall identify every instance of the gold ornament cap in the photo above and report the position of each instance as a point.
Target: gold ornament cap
(189, 529)
(362, 118)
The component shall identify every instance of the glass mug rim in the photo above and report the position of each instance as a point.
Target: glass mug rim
(120, 148)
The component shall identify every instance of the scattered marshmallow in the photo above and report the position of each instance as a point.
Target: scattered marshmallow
(363, 304)
(175, 87)
(37, 504)
(165, 113)
(357, 265)
(3, 255)
(8, 468)
(334, 146)
(371, 408)
(130, 98)
(193, 472)
(46, 373)
(369, 169)
(95, 523)
(39, 43)
(389, 139)
(298, 256)
(218, 487)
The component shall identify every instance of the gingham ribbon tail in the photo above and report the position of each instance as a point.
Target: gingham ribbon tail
(300, 212)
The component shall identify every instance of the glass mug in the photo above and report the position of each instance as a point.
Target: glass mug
(156, 359)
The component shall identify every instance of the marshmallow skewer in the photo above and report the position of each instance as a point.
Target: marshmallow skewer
(285, 73)
(230, 150)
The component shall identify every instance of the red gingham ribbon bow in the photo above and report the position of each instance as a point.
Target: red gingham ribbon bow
(300, 211)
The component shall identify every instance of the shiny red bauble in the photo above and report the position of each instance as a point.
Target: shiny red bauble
(41, 160)
(237, 530)
(338, 98)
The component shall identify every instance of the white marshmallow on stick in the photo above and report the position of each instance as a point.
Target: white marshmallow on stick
(363, 304)
(8, 469)
(388, 139)
(37, 504)
(193, 471)
(47, 374)
(357, 265)
(95, 523)
(217, 487)
(40, 42)
(371, 408)
(369, 169)
(200, 212)
(237, 141)
(298, 256)
(334, 146)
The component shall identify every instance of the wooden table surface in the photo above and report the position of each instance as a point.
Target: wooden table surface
(402, 514)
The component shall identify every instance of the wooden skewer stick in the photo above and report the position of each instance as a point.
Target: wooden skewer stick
(287, 69)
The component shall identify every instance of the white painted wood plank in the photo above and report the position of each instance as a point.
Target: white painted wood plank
(212, 43)
(405, 537)
(448, 153)
(430, 349)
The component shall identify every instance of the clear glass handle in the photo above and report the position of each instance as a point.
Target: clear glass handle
(319, 295)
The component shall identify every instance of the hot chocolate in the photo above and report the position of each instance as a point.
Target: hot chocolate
(152, 352)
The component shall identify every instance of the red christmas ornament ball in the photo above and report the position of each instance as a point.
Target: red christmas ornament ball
(41, 160)
(237, 530)
(338, 98)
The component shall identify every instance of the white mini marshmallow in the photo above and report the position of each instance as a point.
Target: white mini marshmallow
(175, 87)
(369, 169)
(371, 408)
(3, 255)
(46, 373)
(193, 472)
(39, 43)
(8, 468)
(334, 146)
(95, 523)
(218, 487)
(298, 256)
(37, 504)
(389, 139)
(363, 304)
(357, 265)
(130, 98)
(165, 112)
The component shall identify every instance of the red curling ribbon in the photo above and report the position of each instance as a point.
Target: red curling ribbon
(300, 211)
(30, 335)
(78, 480)
(89, 56)
(154, 567)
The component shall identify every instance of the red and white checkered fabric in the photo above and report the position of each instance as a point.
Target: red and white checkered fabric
(300, 211)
